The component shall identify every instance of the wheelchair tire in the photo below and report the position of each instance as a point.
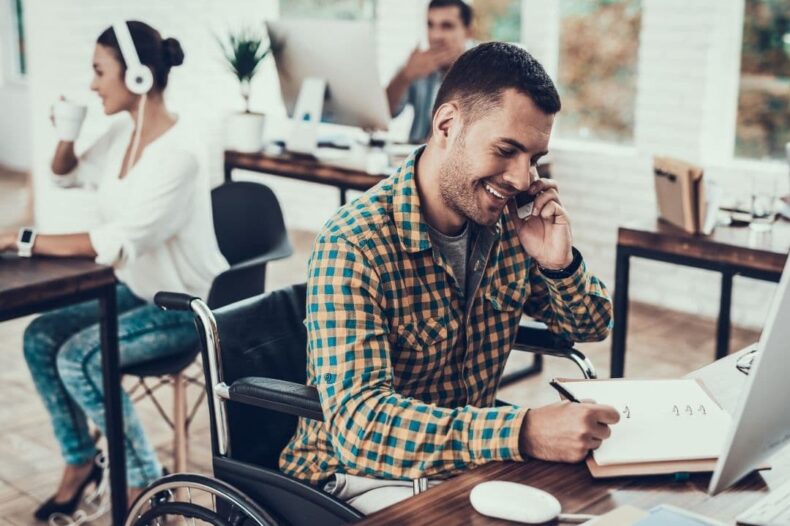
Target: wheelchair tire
(236, 508)
(184, 510)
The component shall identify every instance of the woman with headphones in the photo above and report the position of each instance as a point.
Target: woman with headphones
(156, 231)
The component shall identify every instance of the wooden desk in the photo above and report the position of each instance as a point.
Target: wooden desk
(301, 168)
(448, 503)
(730, 251)
(28, 286)
(306, 169)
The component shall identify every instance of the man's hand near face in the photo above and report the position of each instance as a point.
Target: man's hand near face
(546, 234)
(420, 64)
(423, 63)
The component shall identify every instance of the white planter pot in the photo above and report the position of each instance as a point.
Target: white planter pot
(245, 132)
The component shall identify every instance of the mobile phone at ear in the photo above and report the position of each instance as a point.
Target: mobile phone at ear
(524, 202)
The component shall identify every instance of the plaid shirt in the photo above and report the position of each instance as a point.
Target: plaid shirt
(406, 370)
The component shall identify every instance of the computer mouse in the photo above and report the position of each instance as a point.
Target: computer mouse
(514, 502)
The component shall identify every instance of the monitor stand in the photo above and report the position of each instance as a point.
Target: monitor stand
(306, 117)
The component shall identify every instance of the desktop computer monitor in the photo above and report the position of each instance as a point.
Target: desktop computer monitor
(343, 54)
(761, 423)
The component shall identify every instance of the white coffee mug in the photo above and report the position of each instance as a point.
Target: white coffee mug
(68, 119)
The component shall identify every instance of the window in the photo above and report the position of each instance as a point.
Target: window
(15, 59)
(763, 125)
(497, 20)
(343, 9)
(599, 44)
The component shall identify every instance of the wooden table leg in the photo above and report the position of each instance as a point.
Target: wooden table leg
(723, 323)
(113, 415)
(620, 329)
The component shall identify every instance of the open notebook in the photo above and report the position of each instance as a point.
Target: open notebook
(665, 425)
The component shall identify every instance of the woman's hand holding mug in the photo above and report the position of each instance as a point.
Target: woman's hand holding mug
(67, 117)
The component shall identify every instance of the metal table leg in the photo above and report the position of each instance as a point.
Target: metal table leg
(113, 415)
(620, 330)
(723, 323)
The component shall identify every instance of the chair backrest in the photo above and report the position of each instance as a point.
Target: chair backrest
(248, 220)
(262, 336)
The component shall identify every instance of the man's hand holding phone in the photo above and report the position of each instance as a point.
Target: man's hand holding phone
(545, 230)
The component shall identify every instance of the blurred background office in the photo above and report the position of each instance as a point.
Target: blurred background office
(704, 81)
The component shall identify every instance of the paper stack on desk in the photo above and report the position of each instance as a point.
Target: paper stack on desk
(666, 426)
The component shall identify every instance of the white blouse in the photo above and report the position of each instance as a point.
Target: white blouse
(156, 228)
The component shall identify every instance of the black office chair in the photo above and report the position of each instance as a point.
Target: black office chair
(250, 231)
(254, 357)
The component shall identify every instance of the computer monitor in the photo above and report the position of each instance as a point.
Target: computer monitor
(761, 423)
(341, 52)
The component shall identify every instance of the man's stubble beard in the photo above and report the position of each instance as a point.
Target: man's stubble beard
(454, 175)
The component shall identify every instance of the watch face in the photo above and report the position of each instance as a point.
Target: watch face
(26, 236)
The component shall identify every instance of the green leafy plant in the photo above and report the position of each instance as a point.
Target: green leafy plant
(244, 52)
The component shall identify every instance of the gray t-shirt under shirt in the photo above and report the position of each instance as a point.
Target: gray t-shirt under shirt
(455, 250)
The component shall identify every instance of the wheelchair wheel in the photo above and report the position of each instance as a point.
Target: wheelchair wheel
(186, 498)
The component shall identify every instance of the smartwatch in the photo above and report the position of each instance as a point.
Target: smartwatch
(24, 243)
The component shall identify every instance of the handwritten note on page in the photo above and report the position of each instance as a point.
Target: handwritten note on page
(660, 420)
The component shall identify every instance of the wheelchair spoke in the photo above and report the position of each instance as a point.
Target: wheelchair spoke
(189, 492)
(198, 501)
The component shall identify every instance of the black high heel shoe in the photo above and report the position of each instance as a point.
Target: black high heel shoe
(67, 508)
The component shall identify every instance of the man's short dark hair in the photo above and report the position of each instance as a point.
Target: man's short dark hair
(480, 76)
(464, 9)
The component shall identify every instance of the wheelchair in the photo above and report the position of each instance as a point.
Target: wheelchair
(254, 361)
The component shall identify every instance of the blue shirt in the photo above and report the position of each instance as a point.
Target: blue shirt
(421, 96)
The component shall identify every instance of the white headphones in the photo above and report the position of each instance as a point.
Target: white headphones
(139, 79)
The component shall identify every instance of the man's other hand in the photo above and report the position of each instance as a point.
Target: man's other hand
(566, 431)
(423, 63)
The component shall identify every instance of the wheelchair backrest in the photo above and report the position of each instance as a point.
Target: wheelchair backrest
(262, 336)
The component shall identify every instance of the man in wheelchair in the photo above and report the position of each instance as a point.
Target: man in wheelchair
(415, 291)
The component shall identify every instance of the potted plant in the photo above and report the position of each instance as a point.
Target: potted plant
(244, 52)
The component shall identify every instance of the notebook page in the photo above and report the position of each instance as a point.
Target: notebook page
(660, 420)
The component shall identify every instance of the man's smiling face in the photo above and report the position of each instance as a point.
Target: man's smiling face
(494, 157)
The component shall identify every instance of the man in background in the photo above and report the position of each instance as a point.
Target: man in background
(449, 29)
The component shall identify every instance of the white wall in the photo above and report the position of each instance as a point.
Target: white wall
(15, 127)
(687, 82)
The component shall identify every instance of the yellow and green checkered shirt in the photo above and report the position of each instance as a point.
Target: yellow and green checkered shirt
(406, 369)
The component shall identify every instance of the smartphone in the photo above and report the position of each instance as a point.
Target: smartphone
(524, 202)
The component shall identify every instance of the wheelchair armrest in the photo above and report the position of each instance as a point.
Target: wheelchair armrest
(277, 395)
(536, 338)
(535, 334)
(283, 250)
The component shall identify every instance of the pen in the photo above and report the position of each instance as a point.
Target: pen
(564, 392)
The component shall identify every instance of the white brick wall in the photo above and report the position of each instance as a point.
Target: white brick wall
(685, 107)
(687, 83)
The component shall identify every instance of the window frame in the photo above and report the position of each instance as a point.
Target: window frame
(11, 73)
